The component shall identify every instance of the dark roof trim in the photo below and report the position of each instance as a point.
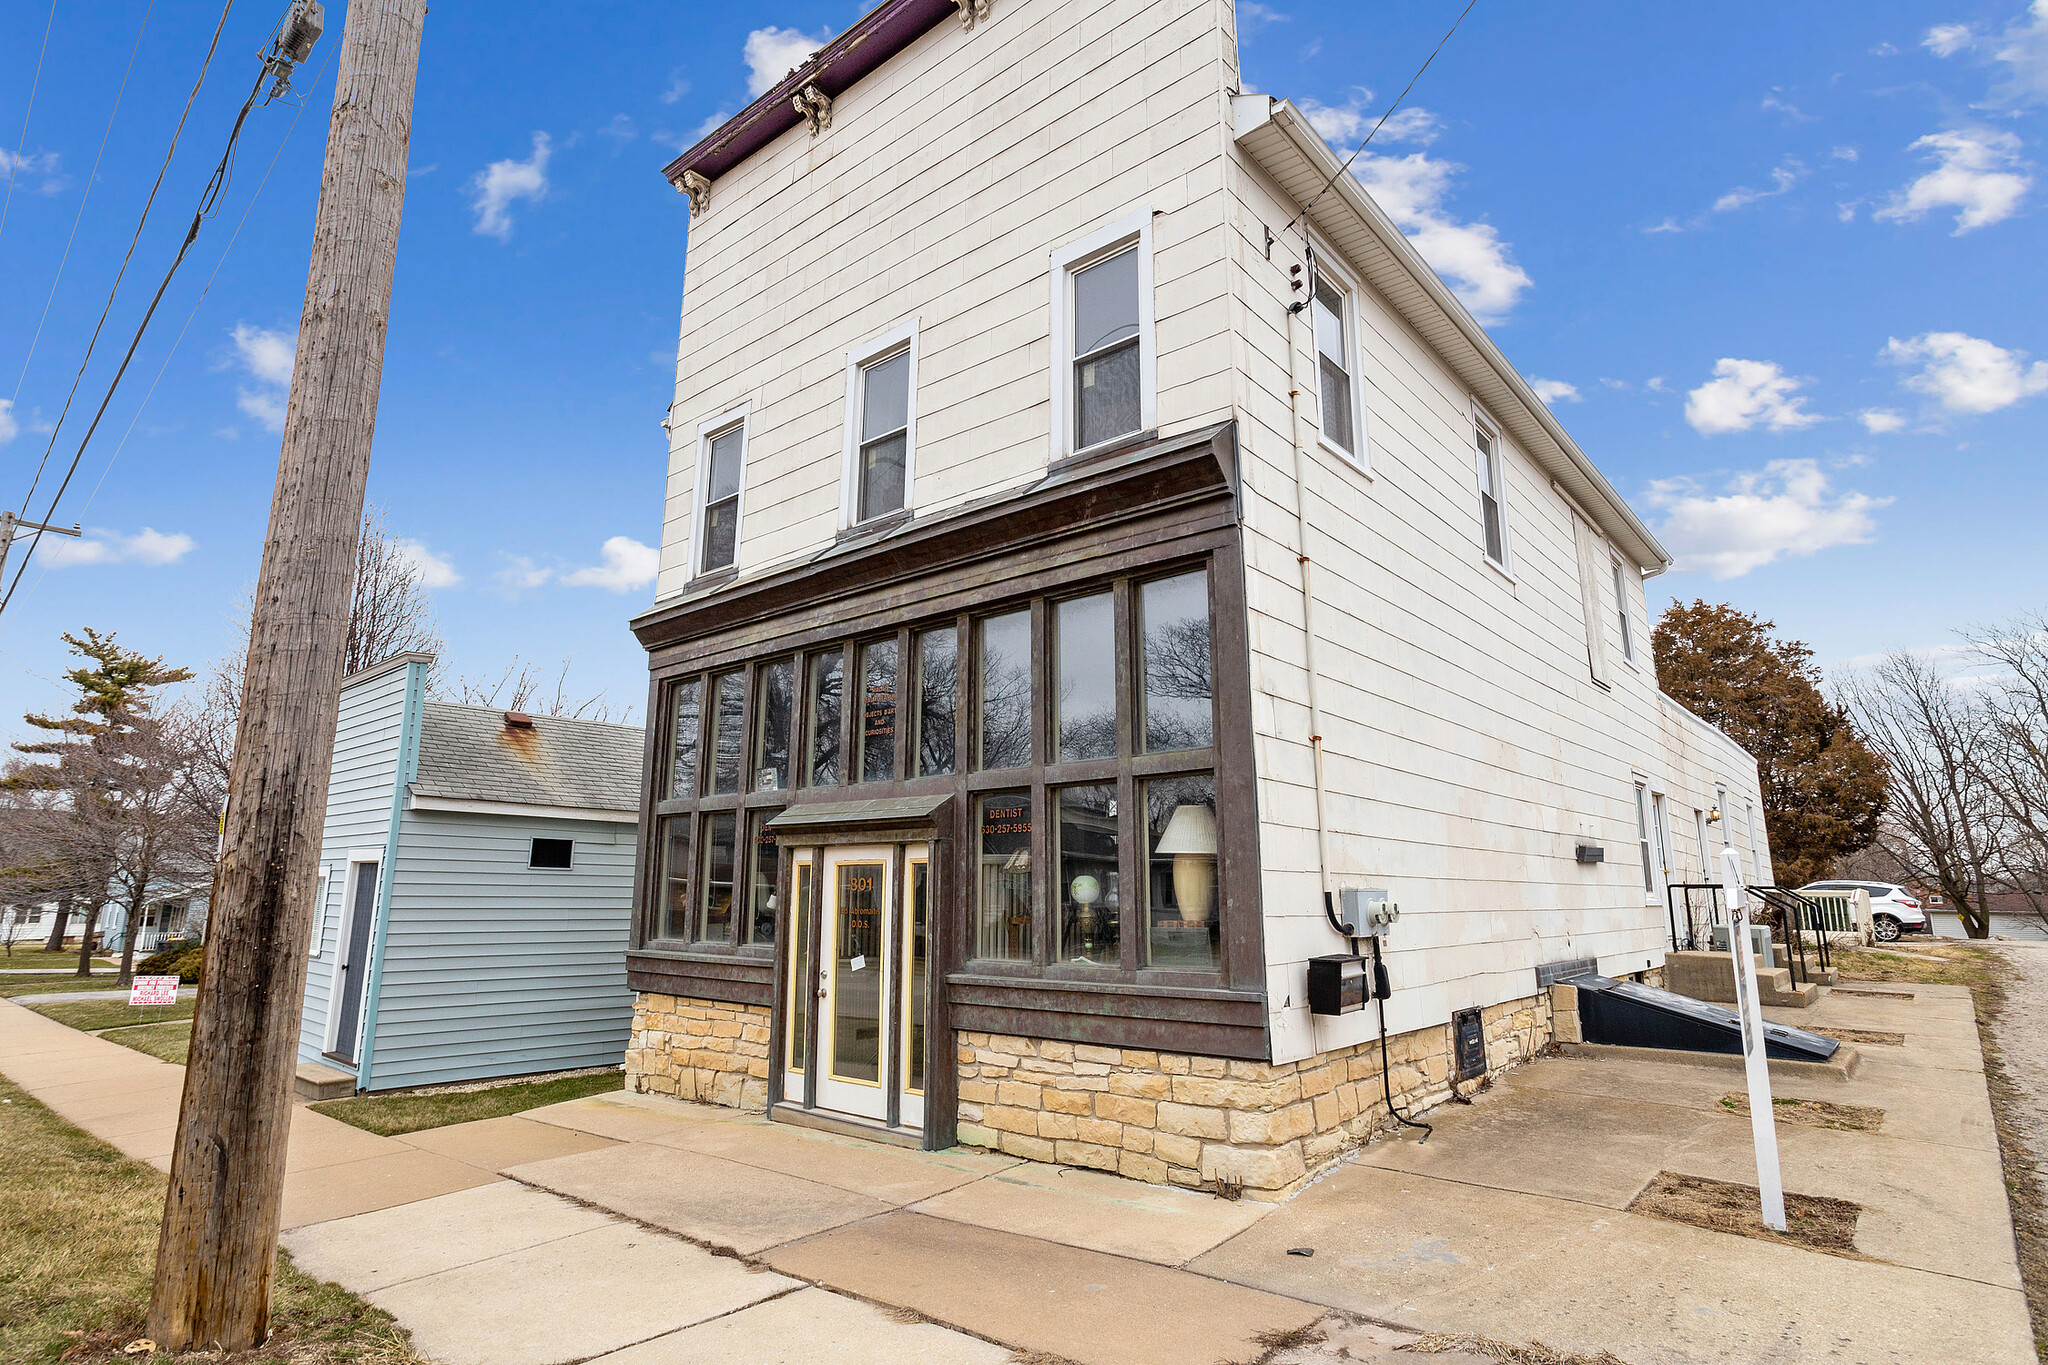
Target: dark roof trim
(880, 34)
(1197, 467)
(889, 810)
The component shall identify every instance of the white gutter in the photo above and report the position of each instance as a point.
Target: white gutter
(453, 806)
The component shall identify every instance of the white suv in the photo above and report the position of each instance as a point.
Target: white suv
(1893, 909)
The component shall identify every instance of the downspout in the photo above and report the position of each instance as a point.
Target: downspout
(405, 771)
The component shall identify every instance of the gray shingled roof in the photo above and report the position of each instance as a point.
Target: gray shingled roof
(468, 754)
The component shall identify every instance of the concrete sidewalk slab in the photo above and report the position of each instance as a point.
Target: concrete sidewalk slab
(317, 1140)
(1437, 1255)
(411, 1241)
(570, 1299)
(1039, 1296)
(1098, 1212)
(402, 1176)
(894, 1175)
(627, 1117)
(494, 1144)
(705, 1198)
(811, 1327)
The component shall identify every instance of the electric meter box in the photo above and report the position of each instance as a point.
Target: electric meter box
(1338, 984)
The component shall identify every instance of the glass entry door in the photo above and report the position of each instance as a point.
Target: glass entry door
(856, 981)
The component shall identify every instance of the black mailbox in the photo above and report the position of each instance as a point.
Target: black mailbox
(1338, 984)
(1592, 853)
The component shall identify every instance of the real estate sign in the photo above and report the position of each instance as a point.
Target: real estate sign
(153, 990)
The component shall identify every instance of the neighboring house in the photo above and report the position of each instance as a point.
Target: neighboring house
(475, 887)
(1005, 597)
(162, 921)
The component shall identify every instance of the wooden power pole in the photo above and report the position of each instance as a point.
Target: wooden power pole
(218, 1246)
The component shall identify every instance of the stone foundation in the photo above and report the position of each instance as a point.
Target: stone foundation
(1177, 1118)
(703, 1050)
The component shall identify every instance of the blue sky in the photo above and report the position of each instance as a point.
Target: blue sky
(1780, 268)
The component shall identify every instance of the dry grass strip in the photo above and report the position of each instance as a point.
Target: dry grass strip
(1811, 1221)
(1871, 1036)
(1855, 1118)
(1872, 995)
(1535, 1353)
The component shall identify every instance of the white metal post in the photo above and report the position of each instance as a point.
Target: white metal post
(1763, 1123)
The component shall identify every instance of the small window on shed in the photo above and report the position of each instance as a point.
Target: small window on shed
(552, 853)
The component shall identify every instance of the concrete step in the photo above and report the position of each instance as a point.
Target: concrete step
(317, 1082)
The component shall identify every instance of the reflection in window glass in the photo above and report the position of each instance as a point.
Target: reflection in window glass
(1106, 393)
(675, 877)
(938, 681)
(1003, 876)
(728, 732)
(1088, 875)
(718, 877)
(1333, 363)
(801, 984)
(1005, 689)
(721, 500)
(1173, 620)
(827, 676)
(1084, 649)
(762, 881)
(884, 434)
(915, 938)
(877, 759)
(684, 727)
(777, 705)
(1180, 918)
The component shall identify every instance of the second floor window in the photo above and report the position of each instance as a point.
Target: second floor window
(1106, 394)
(1492, 512)
(1628, 638)
(1333, 368)
(884, 390)
(721, 525)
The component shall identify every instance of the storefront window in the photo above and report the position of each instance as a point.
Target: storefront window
(938, 681)
(878, 693)
(728, 731)
(1181, 929)
(827, 677)
(776, 707)
(916, 935)
(1084, 653)
(1003, 876)
(1089, 931)
(718, 877)
(802, 986)
(675, 877)
(685, 722)
(1005, 691)
(762, 881)
(1173, 616)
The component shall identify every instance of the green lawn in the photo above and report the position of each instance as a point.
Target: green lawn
(393, 1114)
(79, 1222)
(167, 1042)
(102, 979)
(35, 957)
(94, 1015)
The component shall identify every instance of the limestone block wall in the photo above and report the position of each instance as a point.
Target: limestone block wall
(1183, 1119)
(704, 1050)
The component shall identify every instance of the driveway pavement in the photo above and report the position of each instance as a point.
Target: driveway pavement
(641, 1231)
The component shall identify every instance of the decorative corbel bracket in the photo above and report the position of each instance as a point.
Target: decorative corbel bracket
(972, 12)
(816, 106)
(699, 190)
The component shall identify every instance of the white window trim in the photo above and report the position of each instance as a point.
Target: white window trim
(1482, 422)
(716, 426)
(358, 859)
(903, 336)
(1066, 261)
(1360, 459)
(1625, 608)
(1642, 836)
(319, 912)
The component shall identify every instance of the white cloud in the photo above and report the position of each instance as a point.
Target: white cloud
(147, 546)
(435, 571)
(1977, 172)
(25, 166)
(706, 128)
(2024, 51)
(9, 428)
(1785, 509)
(772, 53)
(1656, 384)
(1968, 374)
(1553, 391)
(496, 186)
(1783, 177)
(627, 565)
(521, 574)
(621, 129)
(1345, 125)
(1745, 393)
(1846, 154)
(1881, 421)
(265, 407)
(678, 86)
(1250, 14)
(266, 356)
(1772, 104)
(1668, 225)
(1946, 40)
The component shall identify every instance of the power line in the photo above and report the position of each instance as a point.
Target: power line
(14, 170)
(1302, 217)
(84, 198)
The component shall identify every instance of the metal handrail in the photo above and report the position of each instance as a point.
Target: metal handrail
(1698, 925)
(1803, 915)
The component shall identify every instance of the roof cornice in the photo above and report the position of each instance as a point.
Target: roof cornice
(1280, 141)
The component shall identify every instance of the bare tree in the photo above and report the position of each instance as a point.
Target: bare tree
(2012, 760)
(521, 686)
(1941, 823)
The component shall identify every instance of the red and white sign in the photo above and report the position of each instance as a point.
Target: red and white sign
(153, 990)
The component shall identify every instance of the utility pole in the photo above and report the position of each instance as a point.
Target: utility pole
(9, 524)
(218, 1247)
